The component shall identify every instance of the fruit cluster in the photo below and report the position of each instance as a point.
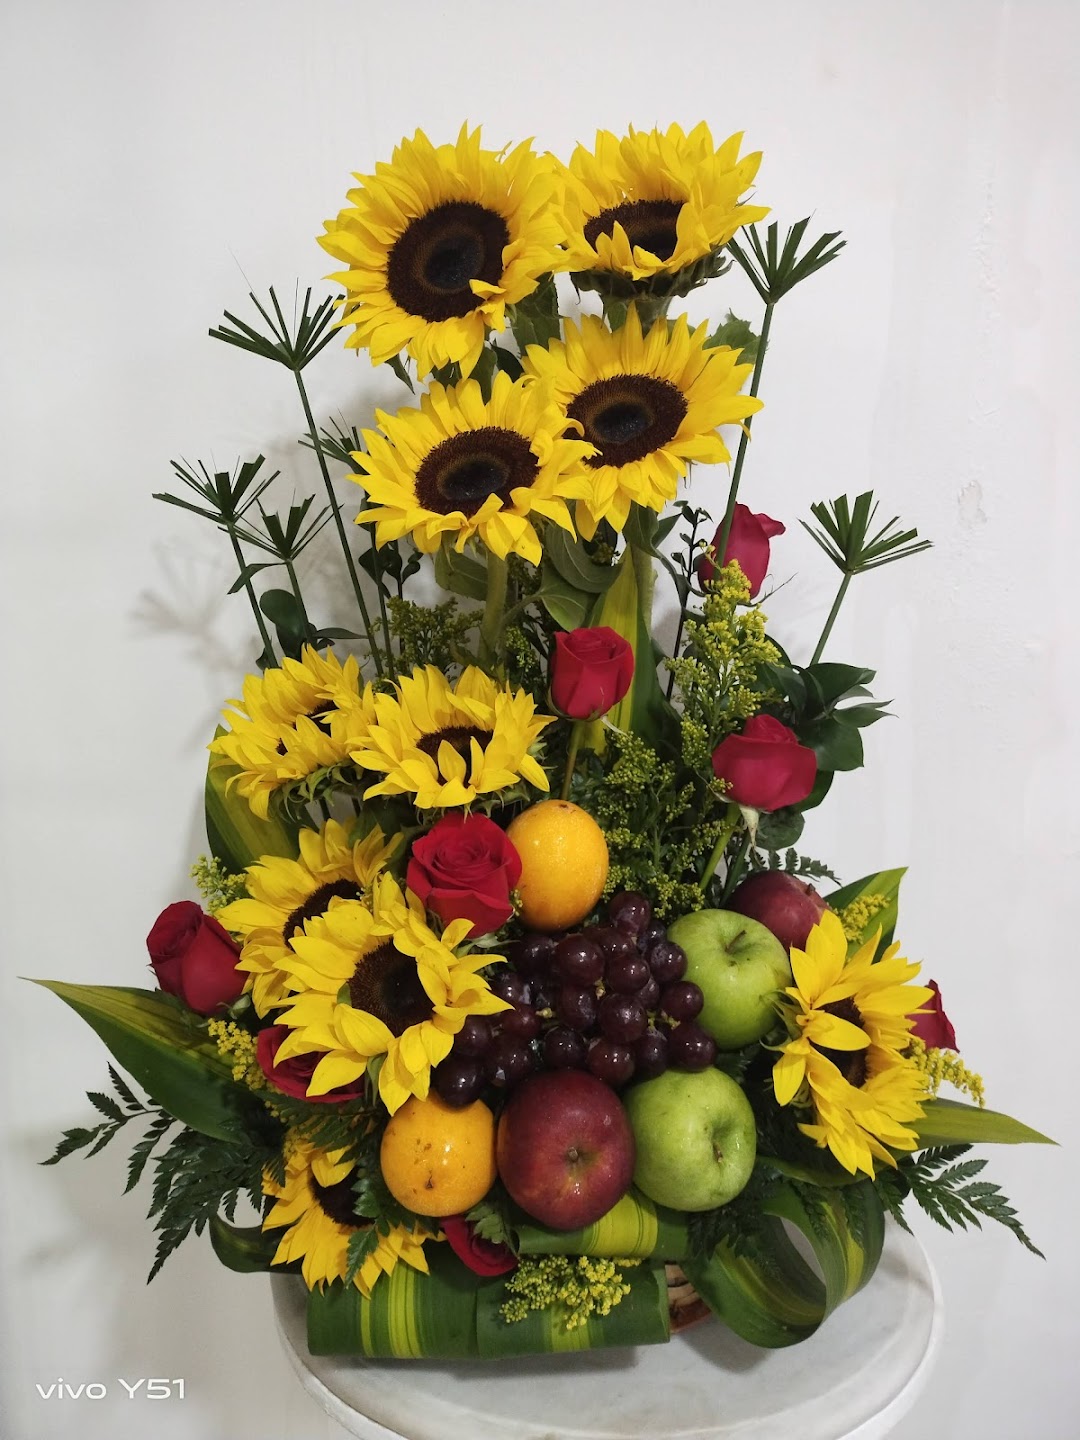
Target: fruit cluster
(610, 998)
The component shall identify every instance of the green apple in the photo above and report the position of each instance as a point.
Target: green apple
(739, 966)
(695, 1138)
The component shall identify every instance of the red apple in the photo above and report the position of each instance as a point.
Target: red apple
(783, 903)
(564, 1148)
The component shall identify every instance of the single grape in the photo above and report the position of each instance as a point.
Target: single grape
(522, 1021)
(474, 1038)
(649, 994)
(531, 956)
(509, 985)
(564, 1049)
(629, 912)
(611, 941)
(682, 1000)
(578, 961)
(626, 973)
(650, 1054)
(650, 935)
(621, 1017)
(458, 1081)
(576, 1007)
(508, 1061)
(689, 1048)
(667, 961)
(614, 1064)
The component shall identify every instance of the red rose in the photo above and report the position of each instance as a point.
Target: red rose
(483, 1257)
(194, 958)
(591, 671)
(765, 767)
(748, 543)
(933, 1027)
(464, 869)
(292, 1076)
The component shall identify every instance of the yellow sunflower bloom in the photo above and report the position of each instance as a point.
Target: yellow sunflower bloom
(379, 982)
(464, 468)
(283, 895)
(316, 1203)
(655, 202)
(438, 242)
(649, 405)
(446, 744)
(291, 722)
(850, 1020)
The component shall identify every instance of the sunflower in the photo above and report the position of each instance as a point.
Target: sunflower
(291, 723)
(283, 895)
(655, 203)
(461, 467)
(316, 1203)
(648, 405)
(378, 982)
(446, 744)
(850, 1021)
(438, 243)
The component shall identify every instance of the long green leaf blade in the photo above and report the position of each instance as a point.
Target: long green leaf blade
(952, 1122)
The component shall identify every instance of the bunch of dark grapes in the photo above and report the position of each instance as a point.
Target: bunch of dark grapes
(610, 998)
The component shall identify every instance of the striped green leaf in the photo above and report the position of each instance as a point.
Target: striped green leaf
(640, 1318)
(164, 1048)
(771, 1296)
(951, 1122)
(235, 834)
(885, 882)
(634, 1227)
(643, 709)
(245, 1248)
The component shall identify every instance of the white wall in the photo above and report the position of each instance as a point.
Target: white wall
(154, 152)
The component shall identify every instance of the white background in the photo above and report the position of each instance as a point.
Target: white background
(156, 155)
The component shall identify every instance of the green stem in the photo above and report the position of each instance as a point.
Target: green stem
(494, 608)
(682, 608)
(296, 592)
(731, 820)
(316, 445)
(744, 440)
(735, 869)
(268, 649)
(576, 732)
(831, 621)
(377, 571)
(645, 575)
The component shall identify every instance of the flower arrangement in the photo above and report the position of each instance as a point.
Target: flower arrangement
(511, 1003)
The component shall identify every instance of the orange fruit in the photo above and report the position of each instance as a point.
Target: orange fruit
(564, 863)
(438, 1160)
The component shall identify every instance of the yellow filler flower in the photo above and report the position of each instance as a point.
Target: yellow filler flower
(655, 202)
(649, 404)
(290, 723)
(446, 744)
(438, 242)
(316, 1203)
(283, 895)
(463, 468)
(850, 1022)
(376, 982)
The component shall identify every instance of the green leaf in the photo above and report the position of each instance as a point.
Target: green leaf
(635, 1227)
(572, 561)
(460, 573)
(236, 835)
(640, 1318)
(738, 335)
(283, 610)
(245, 1248)
(565, 603)
(397, 365)
(835, 682)
(837, 745)
(165, 1049)
(644, 709)
(535, 320)
(886, 883)
(951, 1122)
(778, 829)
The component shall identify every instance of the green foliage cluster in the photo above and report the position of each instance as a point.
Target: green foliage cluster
(430, 634)
(946, 1187)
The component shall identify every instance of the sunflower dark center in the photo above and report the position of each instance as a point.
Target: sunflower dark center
(385, 983)
(850, 1063)
(336, 1201)
(437, 254)
(628, 416)
(319, 903)
(458, 736)
(460, 473)
(648, 223)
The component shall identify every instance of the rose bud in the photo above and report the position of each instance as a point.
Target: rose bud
(194, 958)
(932, 1027)
(464, 869)
(765, 767)
(292, 1076)
(748, 543)
(483, 1257)
(591, 671)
